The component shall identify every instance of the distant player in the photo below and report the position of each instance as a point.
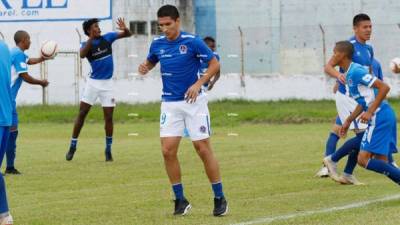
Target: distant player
(5, 123)
(183, 103)
(98, 50)
(380, 138)
(19, 74)
(363, 55)
(204, 66)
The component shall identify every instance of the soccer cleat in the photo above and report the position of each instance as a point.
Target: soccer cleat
(394, 164)
(70, 153)
(323, 172)
(8, 220)
(332, 168)
(220, 206)
(182, 207)
(109, 157)
(12, 171)
(349, 179)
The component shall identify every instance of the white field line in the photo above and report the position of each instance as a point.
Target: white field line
(319, 211)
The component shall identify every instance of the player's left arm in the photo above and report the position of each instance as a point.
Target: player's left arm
(125, 32)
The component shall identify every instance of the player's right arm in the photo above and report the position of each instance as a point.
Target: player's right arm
(31, 80)
(88, 45)
(331, 71)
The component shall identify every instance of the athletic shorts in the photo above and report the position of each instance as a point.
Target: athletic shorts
(381, 134)
(195, 117)
(345, 105)
(99, 89)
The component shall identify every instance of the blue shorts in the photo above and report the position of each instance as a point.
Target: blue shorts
(381, 135)
(4, 132)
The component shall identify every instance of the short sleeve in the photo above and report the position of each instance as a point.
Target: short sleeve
(20, 63)
(365, 78)
(83, 44)
(152, 57)
(217, 56)
(202, 50)
(111, 37)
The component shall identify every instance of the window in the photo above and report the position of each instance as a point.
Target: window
(138, 27)
(155, 29)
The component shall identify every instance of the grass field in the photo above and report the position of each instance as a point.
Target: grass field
(267, 172)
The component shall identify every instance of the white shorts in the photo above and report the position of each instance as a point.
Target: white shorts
(345, 105)
(101, 89)
(176, 116)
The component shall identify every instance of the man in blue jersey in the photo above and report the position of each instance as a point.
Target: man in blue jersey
(380, 138)
(183, 103)
(98, 50)
(19, 74)
(344, 104)
(5, 123)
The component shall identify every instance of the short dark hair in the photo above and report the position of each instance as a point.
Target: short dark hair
(20, 36)
(359, 18)
(87, 24)
(209, 39)
(168, 10)
(345, 47)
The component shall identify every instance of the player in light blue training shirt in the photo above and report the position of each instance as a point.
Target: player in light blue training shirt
(5, 123)
(19, 74)
(183, 103)
(380, 138)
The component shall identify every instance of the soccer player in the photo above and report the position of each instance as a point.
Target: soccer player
(5, 123)
(183, 103)
(380, 138)
(350, 147)
(98, 50)
(19, 73)
(363, 55)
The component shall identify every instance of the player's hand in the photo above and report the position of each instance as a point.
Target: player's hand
(44, 83)
(365, 117)
(121, 24)
(342, 78)
(192, 93)
(343, 130)
(143, 69)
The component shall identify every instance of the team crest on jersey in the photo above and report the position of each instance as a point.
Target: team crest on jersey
(183, 49)
(162, 51)
(203, 129)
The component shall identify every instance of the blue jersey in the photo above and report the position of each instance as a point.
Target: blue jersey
(5, 90)
(19, 65)
(100, 56)
(360, 83)
(179, 62)
(363, 55)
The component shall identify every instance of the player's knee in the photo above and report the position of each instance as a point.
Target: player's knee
(336, 129)
(168, 153)
(108, 119)
(362, 160)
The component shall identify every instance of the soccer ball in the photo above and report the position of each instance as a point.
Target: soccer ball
(48, 49)
(395, 65)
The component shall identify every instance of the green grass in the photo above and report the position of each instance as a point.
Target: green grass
(267, 171)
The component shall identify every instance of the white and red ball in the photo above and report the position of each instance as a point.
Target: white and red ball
(49, 49)
(395, 65)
